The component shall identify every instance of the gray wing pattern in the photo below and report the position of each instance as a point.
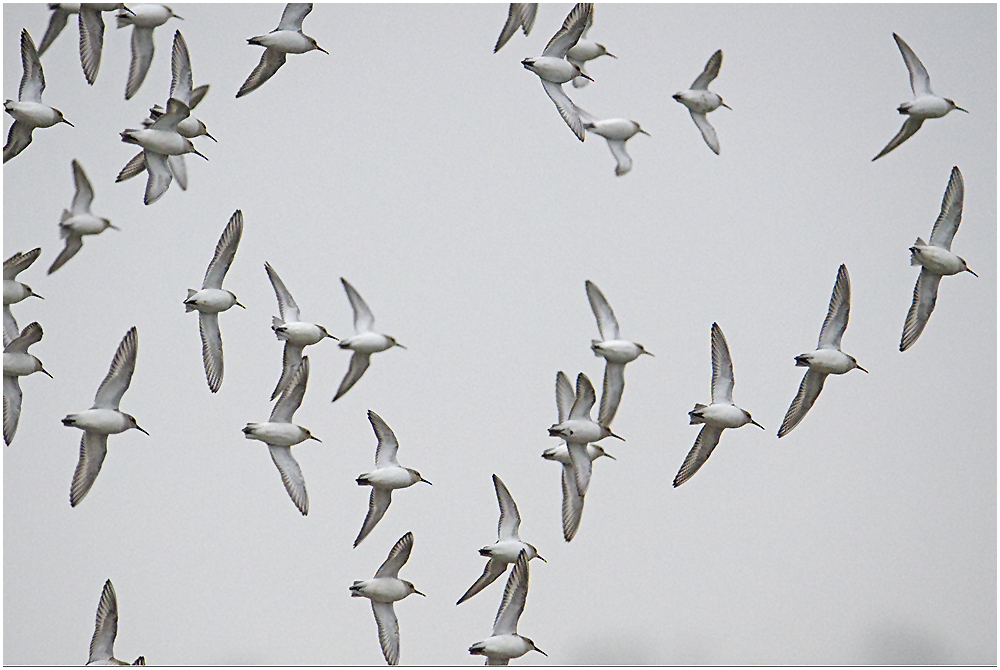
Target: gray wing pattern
(924, 298)
(837, 316)
(706, 442)
(812, 384)
(951, 211)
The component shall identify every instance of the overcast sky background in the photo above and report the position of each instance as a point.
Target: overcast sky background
(439, 179)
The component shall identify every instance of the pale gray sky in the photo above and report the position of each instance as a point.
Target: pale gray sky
(438, 178)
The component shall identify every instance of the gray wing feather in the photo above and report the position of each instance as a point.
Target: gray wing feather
(211, 349)
(225, 252)
(93, 449)
(291, 476)
(812, 384)
(839, 313)
(359, 363)
(710, 72)
(142, 56)
(951, 212)
(706, 442)
(111, 390)
(494, 568)
(924, 298)
(378, 503)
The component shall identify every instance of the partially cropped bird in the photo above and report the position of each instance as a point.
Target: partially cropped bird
(519, 15)
(102, 645)
(15, 291)
(17, 362)
(143, 18)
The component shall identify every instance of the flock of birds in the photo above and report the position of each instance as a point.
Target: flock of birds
(167, 135)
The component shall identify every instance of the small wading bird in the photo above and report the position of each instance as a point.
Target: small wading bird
(77, 221)
(585, 50)
(363, 343)
(505, 643)
(287, 38)
(700, 101)
(142, 18)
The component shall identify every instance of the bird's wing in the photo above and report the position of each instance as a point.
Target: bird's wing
(11, 407)
(564, 396)
(582, 466)
(18, 137)
(197, 94)
(528, 16)
(91, 41)
(269, 63)
(19, 262)
(211, 348)
(514, 21)
(176, 112)
(494, 568)
(159, 177)
(572, 504)
(56, 23)
(710, 72)
(180, 67)
(93, 449)
(621, 155)
(225, 251)
(510, 519)
(178, 168)
(31, 334)
(840, 311)
(707, 440)
(585, 398)
(514, 596)
(133, 168)
(920, 81)
(812, 384)
(73, 244)
(9, 326)
(572, 29)
(33, 79)
(611, 396)
(565, 106)
(111, 390)
(289, 364)
(707, 131)
(359, 363)
(293, 15)
(291, 476)
(84, 191)
(910, 126)
(363, 318)
(722, 368)
(388, 445)
(398, 556)
(287, 307)
(951, 212)
(607, 324)
(291, 397)
(106, 627)
(378, 503)
(142, 55)
(388, 631)
(924, 297)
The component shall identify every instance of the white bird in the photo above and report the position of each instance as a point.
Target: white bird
(925, 105)
(77, 221)
(363, 343)
(102, 645)
(28, 112)
(585, 50)
(577, 429)
(297, 334)
(616, 132)
(718, 416)
(103, 418)
(520, 15)
(937, 260)
(505, 643)
(615, 351)
(17, 362)
(508, 545)
(287, 38)
(142, 18)
(552, 68)
(828, 358)
(387, 475)
(385, 589)
(280, 435)
(212, 299)
(700, 101)
(572, 501)
(13, 290)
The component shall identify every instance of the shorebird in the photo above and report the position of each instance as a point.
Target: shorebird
(102, 645)
(505, 643)
(280, 435)
(363, 343)
(520, 15)
(104, 418)
(572, 501)
(297, 334)
(614, 350)
(585, 50)
(936, 260)
(17, 362)
(577, 429)
(925, 105)
(552, 68)
(828, 358)
(28, 112)
(212, 299)
(77, 221)
(385, 589)
(287, 38)
(616, 132)
(508, 545)
(700, 101)
(718, 416)
(142, 18)
(13, 290)
(387, 475)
